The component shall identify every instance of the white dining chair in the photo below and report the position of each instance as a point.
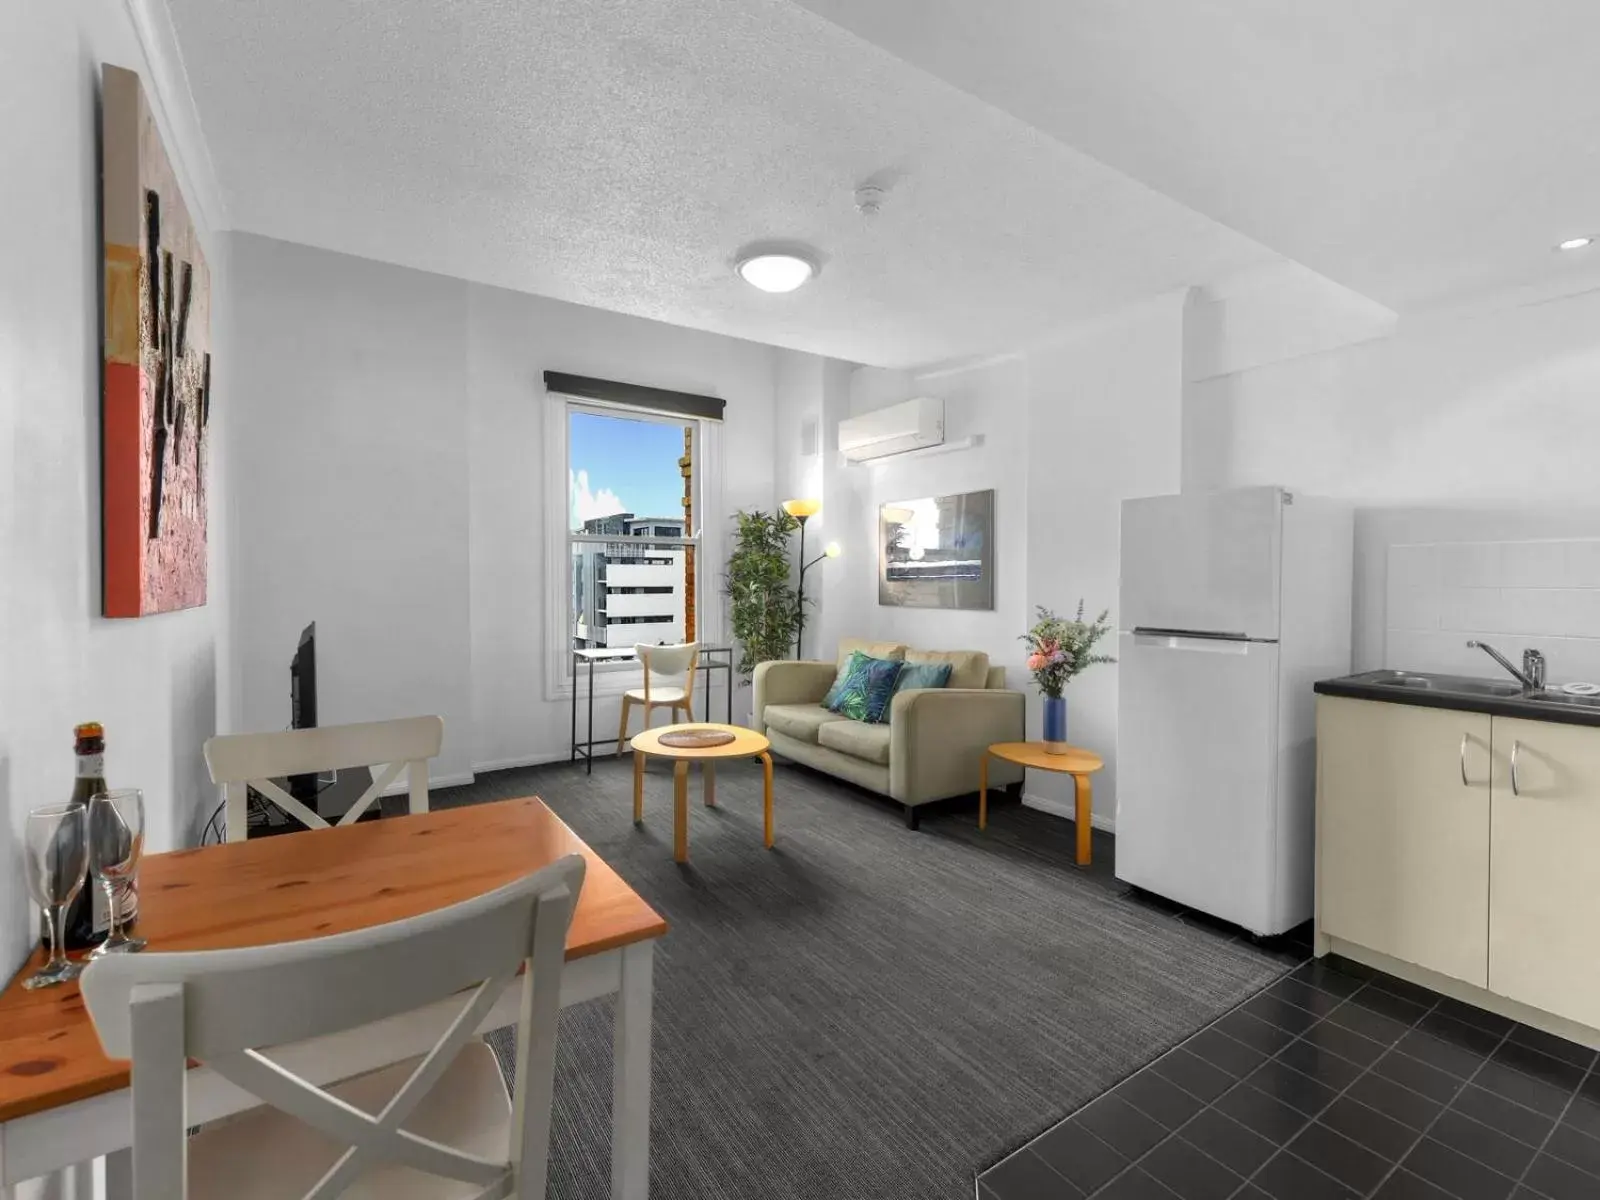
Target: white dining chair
(668, 683)
(242, 761)
(438, 1127)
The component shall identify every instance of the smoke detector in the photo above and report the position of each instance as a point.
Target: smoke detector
(869, 200)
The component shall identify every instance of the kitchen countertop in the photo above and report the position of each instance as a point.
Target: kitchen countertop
(1464, 693)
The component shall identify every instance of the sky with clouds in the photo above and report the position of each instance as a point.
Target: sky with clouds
(618, 464)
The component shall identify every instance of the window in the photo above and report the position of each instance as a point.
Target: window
(633, 489)
(631, 541)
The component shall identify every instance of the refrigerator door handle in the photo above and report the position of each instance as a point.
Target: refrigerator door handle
(1207, 634)
(1203, 643)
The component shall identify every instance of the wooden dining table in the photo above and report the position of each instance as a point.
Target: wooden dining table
(63, 1102)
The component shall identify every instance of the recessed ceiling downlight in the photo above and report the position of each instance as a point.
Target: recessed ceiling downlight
(1577, 243)
(776, 272)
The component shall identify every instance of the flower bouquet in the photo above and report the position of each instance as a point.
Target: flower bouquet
(1057, 650)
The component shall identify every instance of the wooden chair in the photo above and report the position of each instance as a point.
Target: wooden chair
(241, 761)
(673, 668)
(461, 1137)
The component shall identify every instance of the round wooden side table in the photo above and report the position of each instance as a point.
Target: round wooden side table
(1078, 763)
(747, 743)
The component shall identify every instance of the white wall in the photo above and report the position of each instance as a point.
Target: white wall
(1514, 594)
(1069, 429)
(1104, 424)
(812, 394)
(1413, 619)
(513, 339)
(395, 490)
(983, 401)
(1273, 312)
(1456, 429)
(352, 481)
(1450, 428)
(153, 682)
(1495, 407)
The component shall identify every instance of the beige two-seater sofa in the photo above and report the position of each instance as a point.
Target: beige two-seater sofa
(930, 749)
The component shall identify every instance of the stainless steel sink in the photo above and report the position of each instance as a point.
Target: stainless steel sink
(1561, 698)
(1457, 685)
(1460, 691)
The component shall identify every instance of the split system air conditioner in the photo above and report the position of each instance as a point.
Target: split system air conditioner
(913, 425)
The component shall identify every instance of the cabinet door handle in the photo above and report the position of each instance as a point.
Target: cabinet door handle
(1465, 782)
(1516, 784)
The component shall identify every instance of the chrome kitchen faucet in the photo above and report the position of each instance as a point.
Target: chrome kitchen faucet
(1531, 676)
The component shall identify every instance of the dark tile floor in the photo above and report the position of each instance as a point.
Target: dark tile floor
(1335, 1082)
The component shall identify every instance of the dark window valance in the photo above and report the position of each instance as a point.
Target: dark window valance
(685, 404)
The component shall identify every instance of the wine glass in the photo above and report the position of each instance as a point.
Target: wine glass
(116, 840)
(56, 842)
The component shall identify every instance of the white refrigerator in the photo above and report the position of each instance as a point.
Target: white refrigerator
(1232, 605)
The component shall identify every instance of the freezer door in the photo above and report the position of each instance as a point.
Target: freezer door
(1203, 563)
(1196, 774)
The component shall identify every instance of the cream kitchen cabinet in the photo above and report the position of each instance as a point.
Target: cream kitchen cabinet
(1403, 829)
(1544, 867)
(1466, 845)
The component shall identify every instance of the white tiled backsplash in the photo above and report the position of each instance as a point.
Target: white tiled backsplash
(1540, 594)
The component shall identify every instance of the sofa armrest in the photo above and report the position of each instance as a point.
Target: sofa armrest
(937, 738)
(789, 683)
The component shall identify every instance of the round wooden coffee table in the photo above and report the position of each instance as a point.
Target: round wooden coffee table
(747, 743)
(1078, 763)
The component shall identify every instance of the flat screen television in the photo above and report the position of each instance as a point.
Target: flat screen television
(303, 705)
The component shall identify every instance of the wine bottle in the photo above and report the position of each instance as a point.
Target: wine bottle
(88, 916)
(90, 782)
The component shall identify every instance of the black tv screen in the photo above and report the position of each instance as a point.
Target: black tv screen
(303, 681)
(303, 705)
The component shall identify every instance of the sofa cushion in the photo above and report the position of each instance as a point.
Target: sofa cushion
(893, 651)
(800, 721)
(968, 668)
(922, 675)
(864, 688)
(857, 739)
(841, 678)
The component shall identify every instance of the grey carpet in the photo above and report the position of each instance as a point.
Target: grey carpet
(864, 1011)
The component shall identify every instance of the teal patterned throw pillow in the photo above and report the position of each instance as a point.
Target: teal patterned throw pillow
(843, 677)
(864, 688)
(915, 675)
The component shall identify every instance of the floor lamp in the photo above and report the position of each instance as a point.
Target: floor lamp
(802, 511)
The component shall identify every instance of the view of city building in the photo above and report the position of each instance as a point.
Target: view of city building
(624, 593)
(629, 591)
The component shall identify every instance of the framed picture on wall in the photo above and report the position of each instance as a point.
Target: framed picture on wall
(156, 405)
(937, 552)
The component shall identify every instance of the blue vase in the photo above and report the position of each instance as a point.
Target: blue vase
(1055, 724)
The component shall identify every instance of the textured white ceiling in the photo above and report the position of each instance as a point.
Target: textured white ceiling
(619, 152)
(1417, 151)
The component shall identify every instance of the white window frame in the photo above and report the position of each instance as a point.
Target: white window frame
(611, 679)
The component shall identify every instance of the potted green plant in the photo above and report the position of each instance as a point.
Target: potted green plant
(764, 609)
(1057, 650)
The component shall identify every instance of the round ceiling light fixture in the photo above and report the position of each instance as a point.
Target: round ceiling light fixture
(1577, 243)
(776, 271)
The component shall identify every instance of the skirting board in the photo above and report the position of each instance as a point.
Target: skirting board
(1063, 808)
(399, 788)
(534, 760)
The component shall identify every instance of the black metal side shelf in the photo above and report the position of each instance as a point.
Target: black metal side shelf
(585, 748)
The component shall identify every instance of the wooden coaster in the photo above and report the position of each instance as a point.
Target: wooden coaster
(696, 739)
